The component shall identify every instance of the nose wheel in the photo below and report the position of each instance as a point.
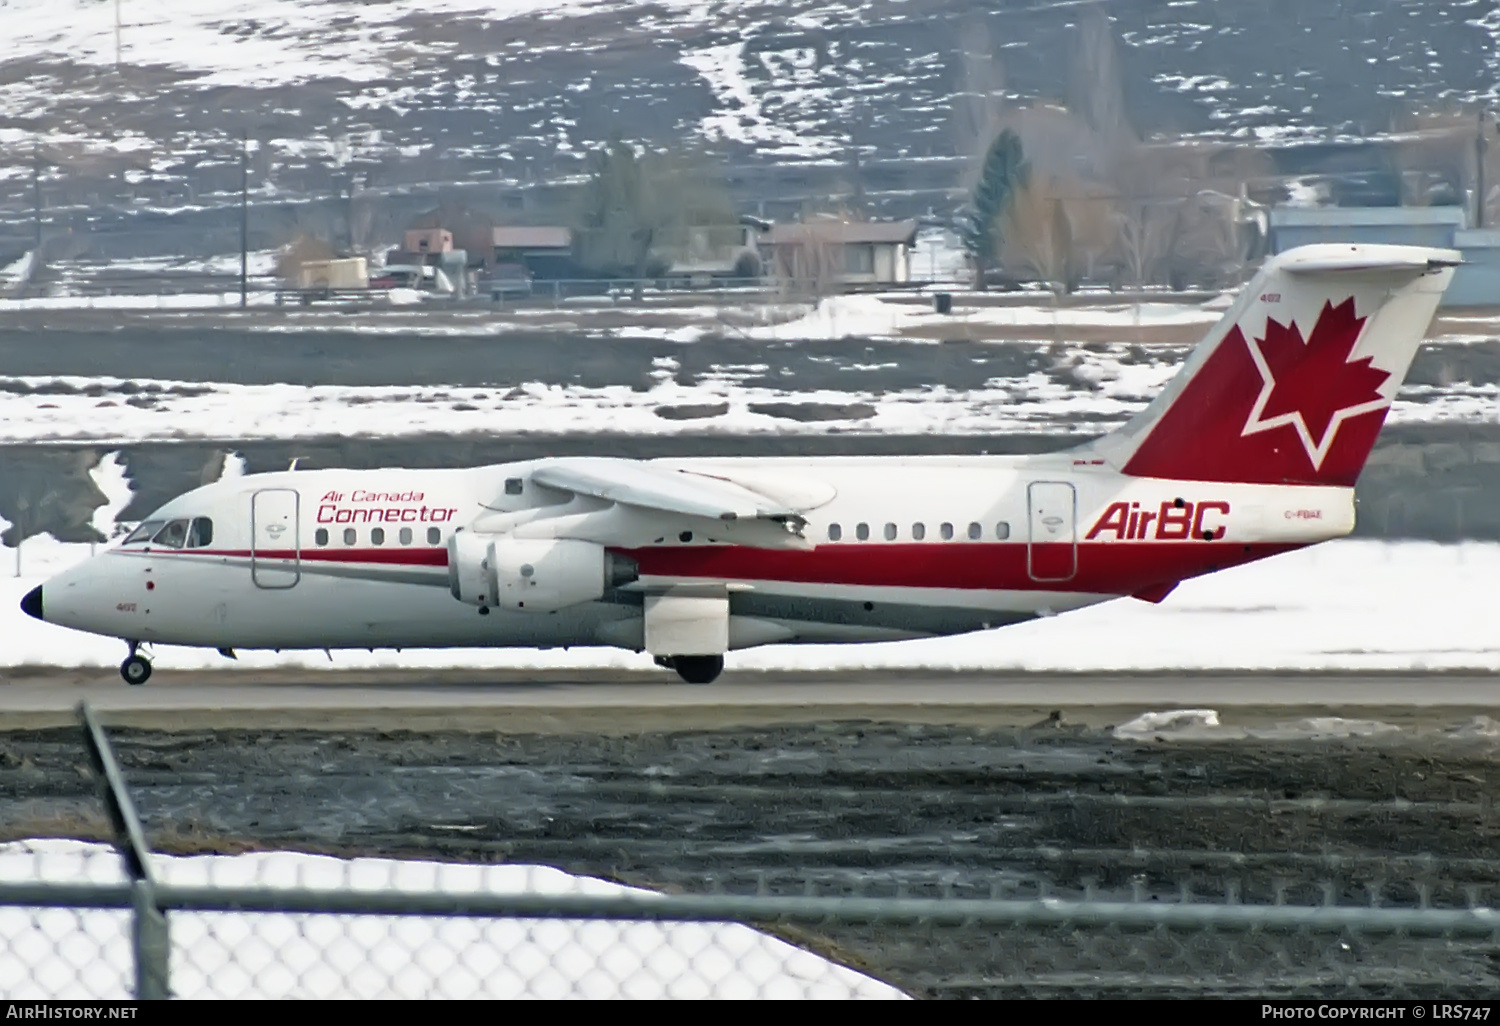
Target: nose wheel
(136, 669)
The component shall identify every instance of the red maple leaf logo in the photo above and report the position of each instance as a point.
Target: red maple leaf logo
(1312, 386)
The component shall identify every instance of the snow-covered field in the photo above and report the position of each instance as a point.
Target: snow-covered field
(63, 953)
(1103, 392)
(852, 316)
(116, 412)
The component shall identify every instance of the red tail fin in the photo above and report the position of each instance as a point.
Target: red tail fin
(1293, 385)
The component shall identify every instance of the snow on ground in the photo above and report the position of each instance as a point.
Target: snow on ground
(259, 263)
(1097, 392)
(837, 317)
(63, 953)
(1204, 725)
(270, 43)
(147, 301)
(740, 116)
(1351, 604)
(868, 316)
(747, 314)
(17, 271)
(732, 313)
(114, 412)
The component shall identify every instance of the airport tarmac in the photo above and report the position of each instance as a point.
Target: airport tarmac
(620, 702)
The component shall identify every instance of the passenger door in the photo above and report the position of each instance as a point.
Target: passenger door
(275, 551)
(1052, 541)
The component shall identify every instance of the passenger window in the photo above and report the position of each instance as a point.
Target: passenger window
(320, 536)
(434, 536)
(173, 536)
(918, 531)
(377, 536)
(835, 532)
(862, 532)
(946, 531)
(201, 534)
(349, 536)
(1002, 530)
(975, 532)
(890, 532)
(142, 533)
(513, 486)
(405, 536)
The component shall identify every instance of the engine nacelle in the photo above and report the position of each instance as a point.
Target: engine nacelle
(547, 574)
(532, 575)
(471, 573)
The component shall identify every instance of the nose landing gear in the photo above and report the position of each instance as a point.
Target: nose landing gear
(136, 669)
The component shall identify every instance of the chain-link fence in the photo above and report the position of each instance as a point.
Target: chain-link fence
(284, 925)
(84, 920)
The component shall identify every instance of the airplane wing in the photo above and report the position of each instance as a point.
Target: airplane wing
(672, 490)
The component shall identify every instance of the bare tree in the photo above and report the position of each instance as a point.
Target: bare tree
(637, 207)
(1147, 231)
(1059, 231)
(813, 264)
(1446, 156)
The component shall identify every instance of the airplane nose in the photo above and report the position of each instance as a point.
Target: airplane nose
(31, 603)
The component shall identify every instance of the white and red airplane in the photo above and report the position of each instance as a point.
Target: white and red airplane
(1252, 450)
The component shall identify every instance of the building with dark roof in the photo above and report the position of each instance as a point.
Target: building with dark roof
(842, 252)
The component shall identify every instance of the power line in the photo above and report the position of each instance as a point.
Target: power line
(244, 217)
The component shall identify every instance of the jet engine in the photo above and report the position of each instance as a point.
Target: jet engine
(532, 575)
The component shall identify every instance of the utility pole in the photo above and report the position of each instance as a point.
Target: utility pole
(244, 218)
(36, 191)
(117, 37)
(1479, 148)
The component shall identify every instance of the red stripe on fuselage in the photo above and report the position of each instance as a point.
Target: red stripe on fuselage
(1111, 568)
(1108, 568)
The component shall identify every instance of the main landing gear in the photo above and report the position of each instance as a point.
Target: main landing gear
(136, 669)
(699, 669)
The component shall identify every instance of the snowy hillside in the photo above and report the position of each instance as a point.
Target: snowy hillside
(469, 90)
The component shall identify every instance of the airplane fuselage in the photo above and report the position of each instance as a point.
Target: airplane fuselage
(905, 547)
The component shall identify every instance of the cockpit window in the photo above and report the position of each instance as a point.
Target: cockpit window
(142, 533)
(172, 536)
(200, 533)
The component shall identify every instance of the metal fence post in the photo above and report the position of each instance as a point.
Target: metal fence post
(150, 943)
(150, 940)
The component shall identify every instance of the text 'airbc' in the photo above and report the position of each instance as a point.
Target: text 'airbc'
(1175, 520)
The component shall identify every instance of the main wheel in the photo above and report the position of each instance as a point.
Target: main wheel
(698, 669)
(135, 670)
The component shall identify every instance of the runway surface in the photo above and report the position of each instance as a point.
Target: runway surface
(615, 703)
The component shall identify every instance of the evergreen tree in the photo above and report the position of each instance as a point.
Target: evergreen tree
(1005, 171)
